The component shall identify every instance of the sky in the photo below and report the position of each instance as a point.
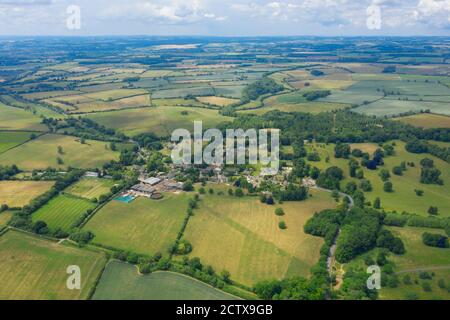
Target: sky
(225, 17)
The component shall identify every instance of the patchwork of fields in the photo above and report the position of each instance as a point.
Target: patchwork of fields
(90, 188)
(42, 153)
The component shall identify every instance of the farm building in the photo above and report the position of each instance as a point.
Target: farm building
(143, 189)
(151, 181)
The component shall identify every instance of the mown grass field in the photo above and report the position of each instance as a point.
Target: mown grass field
(426, 120)
(35, 269)
(62, 211)
(121, 281)
(404, 197)
(90, 188)
(9, 140)
(20, 193)
(144, 226)
(419, 257)
(160, 120)
(42, 153)
(19, 119)
(241, 235)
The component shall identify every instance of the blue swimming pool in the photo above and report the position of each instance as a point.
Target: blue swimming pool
(126, 199)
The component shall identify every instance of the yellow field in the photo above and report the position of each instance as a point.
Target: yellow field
(131, 102)
(115, 94)
(5, 216)
(426, 120)
(308, 107)
(243, 236)
(218, 101)
(20, 193)
(42, 153)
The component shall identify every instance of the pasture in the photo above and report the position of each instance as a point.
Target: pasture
(426, 120)
(121, 281)
(243, 237)
(90, 188)
(20, 193)
(159, 120)
(388, 107)
(5, 216)
(19, 119)
(42, 153)
(9, 140)
(419, 257)
(404, 185)
(144, 226)
(62, 211)
(35, 269)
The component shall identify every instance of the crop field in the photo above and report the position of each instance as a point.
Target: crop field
(427, 120)
(243, 237)
(144, 226)
(160, 120)
(19, 119)
(121, 281)
(404, 186)
(218, 101)
(20, 193)
(62, 211)
(419, 257)
(183, 92)
(42, 153)
(307, 107)
(90, 188)
(34, 268)
(387, 107)
(9, 140)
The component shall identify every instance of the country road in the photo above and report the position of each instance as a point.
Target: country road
(334, 246)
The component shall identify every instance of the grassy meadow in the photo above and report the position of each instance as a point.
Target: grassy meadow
(427, 120)
(159, 120)
(19, 119)
(10, 139)
(121, 281)
(404, 186)
(35, 269)
(42, 153)
(20, 193)
(144, 226)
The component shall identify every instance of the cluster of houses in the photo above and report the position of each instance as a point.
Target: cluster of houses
(153, 187)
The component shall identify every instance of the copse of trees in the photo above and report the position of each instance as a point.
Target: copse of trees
(435, 240)
(261, 87)
(293, 193)
(315, 95)
(331, 178)
(7, 172)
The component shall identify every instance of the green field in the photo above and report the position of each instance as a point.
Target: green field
(243, 237)
(121, 281)
(427, 120)
(159, 120)
(35, 269)
(403, 198)
(419, 257)
(20, 193)
(394, 107)
(9, 140)
(90, 188)
(19, 119)
(42, 153)
(5, 216)
(62, 211)
(144, 226)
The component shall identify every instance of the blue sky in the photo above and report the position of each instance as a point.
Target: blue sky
(227, 17)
